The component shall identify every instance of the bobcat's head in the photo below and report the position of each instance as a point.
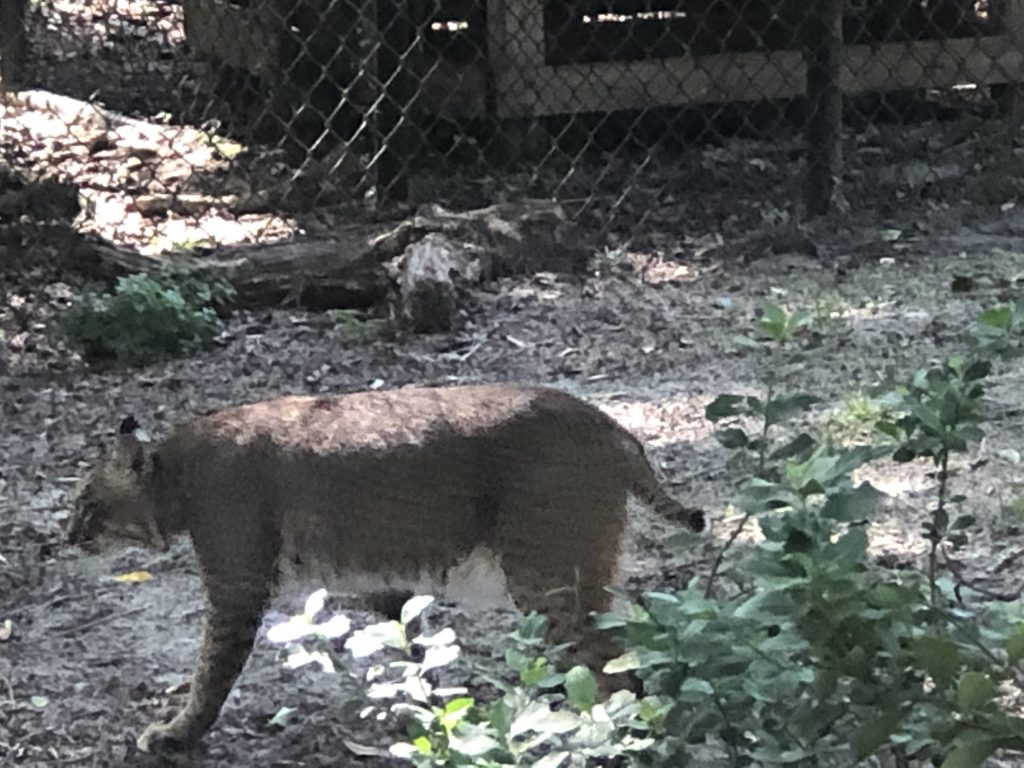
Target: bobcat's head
(112, 503)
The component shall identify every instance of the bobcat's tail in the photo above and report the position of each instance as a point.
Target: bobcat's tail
(648, 489)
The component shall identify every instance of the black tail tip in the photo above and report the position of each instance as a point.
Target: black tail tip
(696, 520)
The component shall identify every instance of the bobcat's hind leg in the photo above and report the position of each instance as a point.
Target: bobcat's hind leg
(564, 574)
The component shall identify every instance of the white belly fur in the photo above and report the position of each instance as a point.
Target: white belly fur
(477, 582)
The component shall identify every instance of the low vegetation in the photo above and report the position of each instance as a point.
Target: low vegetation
(797, 649)
(146, 318)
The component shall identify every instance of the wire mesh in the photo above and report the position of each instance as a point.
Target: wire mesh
(165, 125)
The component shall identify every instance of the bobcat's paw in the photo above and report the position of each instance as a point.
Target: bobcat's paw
(166, 738)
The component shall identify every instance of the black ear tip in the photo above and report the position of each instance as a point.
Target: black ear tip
(697, 520)
(128, 426)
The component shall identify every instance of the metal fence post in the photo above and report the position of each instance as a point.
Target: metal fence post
(822, 50)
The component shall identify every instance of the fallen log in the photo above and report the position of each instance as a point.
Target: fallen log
(421, 260)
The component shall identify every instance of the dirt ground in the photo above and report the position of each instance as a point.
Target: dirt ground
(90, 660)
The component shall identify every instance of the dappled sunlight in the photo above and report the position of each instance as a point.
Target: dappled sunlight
(675, 419)
(153, 186)
(898, 480)
(108, 19)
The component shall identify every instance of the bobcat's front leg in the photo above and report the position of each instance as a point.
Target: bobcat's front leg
(228, 634)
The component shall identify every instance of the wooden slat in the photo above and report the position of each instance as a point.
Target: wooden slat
(527, 89)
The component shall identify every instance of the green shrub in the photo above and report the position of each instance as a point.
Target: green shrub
(355, 328)
(544, 718)
(816, 656)
(147, 318)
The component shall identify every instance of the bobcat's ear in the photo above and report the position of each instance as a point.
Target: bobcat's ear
(128, 426)
(129, 450)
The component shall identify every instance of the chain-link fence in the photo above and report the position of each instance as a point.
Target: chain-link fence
(170, 124)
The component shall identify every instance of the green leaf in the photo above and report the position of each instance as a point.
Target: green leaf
(977, 370)
(371, 639)
(773, 323)
(962, 522)
(724, 406)
(799, 320)
(471, 740)
(780, 409)
(797, 448)
(698, 686)
(627, 662)
(971, 754)
(1015, 644)
(581, 688)
(999, 318)
(851, 548)
(852, 505)
(732, 438)
(532, 629)
(414, 607)
(538, 717)
(773, 313)
(607, 621)
(974, 690)
(455, 711)
(905, 453)
(938, 656)
(873, 734)
(500, 716)
(889, 429)
(146, 319)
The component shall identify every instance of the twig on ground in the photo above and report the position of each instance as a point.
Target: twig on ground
(10, 689)
(961, 581)
(96, 621)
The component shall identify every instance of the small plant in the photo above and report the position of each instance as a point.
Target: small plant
(820, 658)
(856, 417)
(353, 327)
(756, 449)
(544, 719)
(942, 409)
(829, 308)
(1000, 331)
(147, 318)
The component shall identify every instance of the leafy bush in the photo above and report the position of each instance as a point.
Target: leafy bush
(147, 318)
(815, 656)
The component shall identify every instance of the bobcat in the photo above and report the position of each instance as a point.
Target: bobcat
(404, 484)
